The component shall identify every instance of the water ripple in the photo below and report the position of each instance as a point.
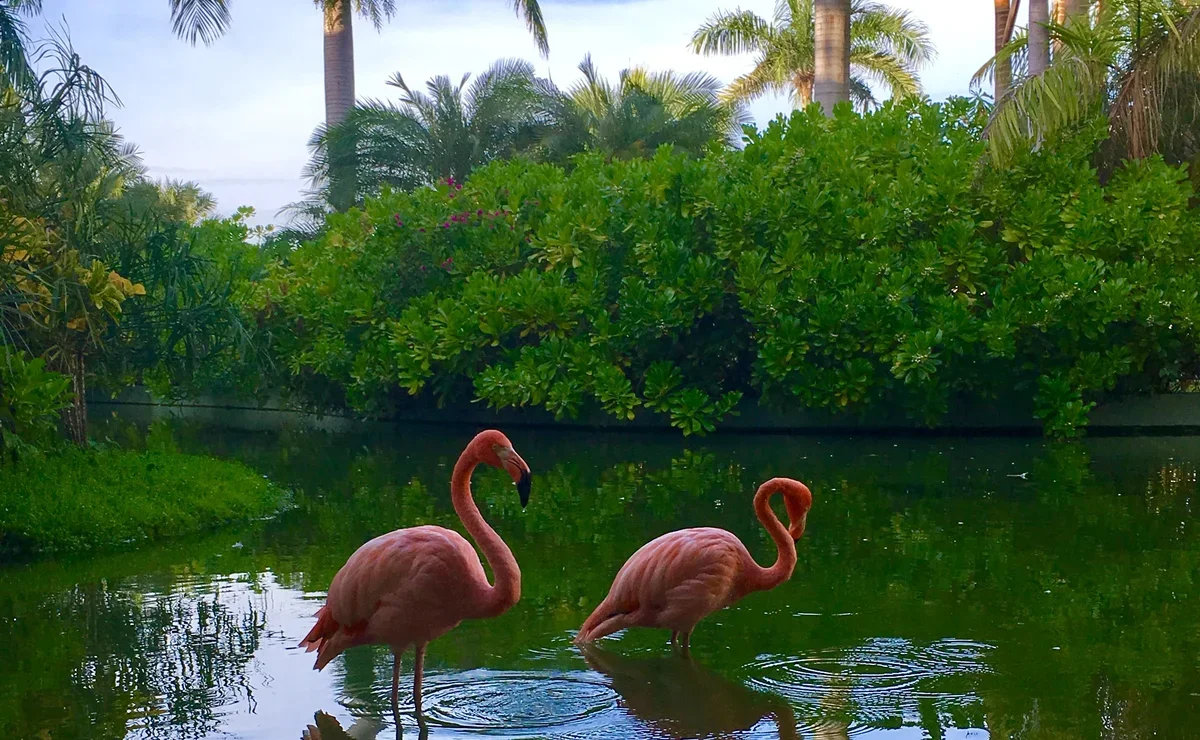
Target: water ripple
(876, 681)
(519, 703)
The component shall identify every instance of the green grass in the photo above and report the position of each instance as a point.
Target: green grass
(84, 499)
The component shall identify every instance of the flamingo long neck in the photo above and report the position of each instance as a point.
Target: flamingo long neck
(762, 579)
(507, 589)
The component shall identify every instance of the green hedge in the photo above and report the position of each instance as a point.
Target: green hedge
(854, 264)
(80, 499)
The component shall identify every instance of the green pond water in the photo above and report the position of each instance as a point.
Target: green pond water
(945, 589)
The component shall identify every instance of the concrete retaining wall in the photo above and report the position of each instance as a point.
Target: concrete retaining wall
(1162, 414)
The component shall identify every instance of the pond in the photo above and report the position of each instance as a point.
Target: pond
(984, 588)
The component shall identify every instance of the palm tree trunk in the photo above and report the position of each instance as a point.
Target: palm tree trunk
(74, 417)
(1039, 36)
(1069, 11)
(339, 97)
(832, 64)
(802, 85)
(1003, 73)
(1065, 10)
(339, 60)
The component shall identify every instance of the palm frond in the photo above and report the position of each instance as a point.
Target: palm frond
(886, 70)
(861, 96)
(1015, 53)
(729, 33)
(531, 11)
(1043, 106)
(15, 70)
(203, 20)
(66, 83)
(893, 32)
(1163, 81)
(376, 11)
(754, 84)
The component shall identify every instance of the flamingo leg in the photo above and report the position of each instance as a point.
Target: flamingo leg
(685, 641)
(417, 676)
(674, 636)
(396, 689)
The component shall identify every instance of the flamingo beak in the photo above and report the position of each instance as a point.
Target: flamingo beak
(521, 475)
(523, 484)
(797, 528)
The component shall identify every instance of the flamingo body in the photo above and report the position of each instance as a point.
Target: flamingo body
(676, 580)
(404, 588)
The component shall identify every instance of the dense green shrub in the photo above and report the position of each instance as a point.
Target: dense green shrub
(80, 499)
(30, 399)
(854, 264)
(188, 334)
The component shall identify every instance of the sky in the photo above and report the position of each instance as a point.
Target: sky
(236, 116)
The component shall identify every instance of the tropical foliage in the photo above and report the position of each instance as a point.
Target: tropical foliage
(1137, 61)
(86, 240)
(855, 264)
(446, 131)
(451, 129)
(887, 48)
(634, 117)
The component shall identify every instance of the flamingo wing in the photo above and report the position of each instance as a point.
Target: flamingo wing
(672, 582)
(406, 587)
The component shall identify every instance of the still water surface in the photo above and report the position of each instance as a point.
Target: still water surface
(945, 589)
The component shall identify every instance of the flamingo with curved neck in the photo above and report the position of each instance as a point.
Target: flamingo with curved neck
(408, 587)
(680, 578)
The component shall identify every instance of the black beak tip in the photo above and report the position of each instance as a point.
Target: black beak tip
(523, 487)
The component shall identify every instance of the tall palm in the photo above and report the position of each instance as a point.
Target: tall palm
(207, 20)
(1139, 63)
(887, 47)
(445, 131)
(831, 53)
(639, 113)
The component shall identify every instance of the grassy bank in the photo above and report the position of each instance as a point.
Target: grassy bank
(82, 499)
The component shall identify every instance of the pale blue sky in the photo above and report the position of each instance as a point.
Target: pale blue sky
(236, 116)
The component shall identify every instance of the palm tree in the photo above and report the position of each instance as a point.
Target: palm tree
(1138, 63)
(831, 53)
(14, 64)
(641, 112)
(446, 131)
(174, 200)
(887, 47)
(207, 20)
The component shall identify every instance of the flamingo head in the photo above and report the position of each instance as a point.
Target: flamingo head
(493, 448)
(798, 500)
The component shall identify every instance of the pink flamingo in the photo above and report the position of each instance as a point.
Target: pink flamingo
(408, 587)
(680, 578)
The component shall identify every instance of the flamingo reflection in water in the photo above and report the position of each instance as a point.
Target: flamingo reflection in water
(326, 727)
(677, 696)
